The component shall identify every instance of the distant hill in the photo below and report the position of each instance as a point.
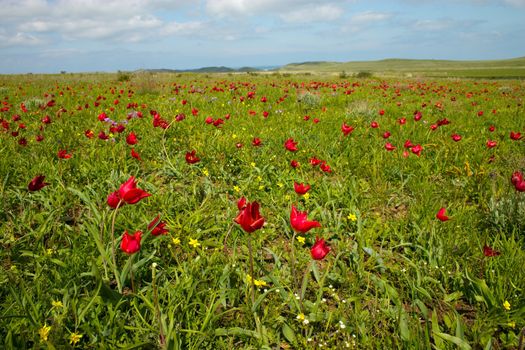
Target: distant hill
(213, 69)
(509, 68)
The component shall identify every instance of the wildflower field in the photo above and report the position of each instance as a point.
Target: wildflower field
(251, 211)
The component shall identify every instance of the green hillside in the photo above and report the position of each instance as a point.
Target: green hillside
(510, 68)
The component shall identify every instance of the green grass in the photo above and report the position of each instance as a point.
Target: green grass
(396, 276)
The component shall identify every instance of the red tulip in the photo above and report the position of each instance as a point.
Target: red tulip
(89, 134)
(456, 137)
(386, 134)
(131, 139)
(382, 112)
(256, 142)
(389, 146)
(130, 243)
(37, 183)
(492, 128)
(417, 150)
(249, 217)
(299, 221)
(157, 227)
(346, 129)
(480, 113)
(417, 116)
(46, 120)
(320, 249)
(63, 154)
(374, 125)
(402, 121)
(515, 135)
(489, 252)
(128, 193)
(135, 155)
(191, 158)
(294, 164)
(441, 215)
(301, 188)
(314, 161)
(209, 120)
(325, 167)
(517, 181)
(291, 145)
(408, 144)
(491, 144)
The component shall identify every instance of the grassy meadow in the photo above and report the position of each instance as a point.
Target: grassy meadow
(382, 157)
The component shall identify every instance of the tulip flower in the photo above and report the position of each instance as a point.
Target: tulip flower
(389, 146)
(291, 145)
(131, 139)
(294, 164)
(490, 252)
(374, 125)
(63, 154)
(517, 181)
(325, 167)
(128, 193)
(491, 144)
(157, 227)
(256, 142)
(130, 244)
(515, 135)
(301, 188)
(37, 183)
(135, 155)
(456, 137)
(417, 150)
(191, 158)
(320, 249)
(299, 221)
(249, 217)
(441, 215)
(346, 129)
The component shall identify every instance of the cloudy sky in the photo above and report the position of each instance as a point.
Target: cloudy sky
(108, 35)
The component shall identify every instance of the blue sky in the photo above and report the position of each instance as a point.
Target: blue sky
(42, 36)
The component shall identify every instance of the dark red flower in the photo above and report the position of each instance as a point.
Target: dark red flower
(209, 120)
(291, 145)
(417, 150)
(517, 181)
(490, 252)
(294, 164)
(63, 154)
(89, 134)
(135, 155)
(389, 146)
(128, 193)
(301, 188)
(386, 134)
(37, 183)
(157, 227)
(320, 249)
(382, 112)
(191, 158)
(346, 129)
(441, 215)
(515, 135)
(325, 167)
(408, 144)
(299, 221)
(456, 137)
(417, 116)
(402, 121)
(249, 217)
(256, 142)
(102, 135)
(491, 144)
(492, 128)
(46, 120)
(314, 161)
(374, 125)
(131, 139)
(130, 244)
(218, 122)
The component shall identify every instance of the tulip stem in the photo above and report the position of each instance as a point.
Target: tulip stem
(113, 255)
(305, 283)
(251, 269)
(292, 260)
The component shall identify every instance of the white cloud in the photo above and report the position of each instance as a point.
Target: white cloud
(310, 14)
(369, 17)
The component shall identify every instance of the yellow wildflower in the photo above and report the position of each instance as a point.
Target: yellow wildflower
(236, 188)
(252, 164)
(44, 332)
(74, 338)
(306, 196)
(260, 283)
(194, 243)
(506, 305)
(301, 317)
(300, 239)
(280, 185)
(57, 303)
(205, 172)
(175, 240)
(352, 217)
